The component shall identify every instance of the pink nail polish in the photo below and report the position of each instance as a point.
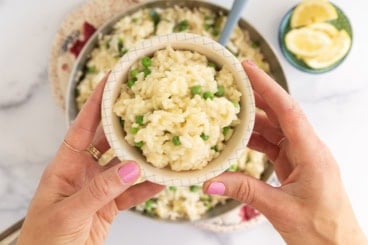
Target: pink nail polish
(251, 63)
(216, 188)
(129, 172)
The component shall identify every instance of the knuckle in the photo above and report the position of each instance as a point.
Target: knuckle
(245, 191)
(99, 188)
(294, 113)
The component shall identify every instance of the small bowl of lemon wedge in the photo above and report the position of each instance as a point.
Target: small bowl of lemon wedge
(315, 36)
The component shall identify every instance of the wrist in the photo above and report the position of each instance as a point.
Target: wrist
(327, 229)
(339, 231)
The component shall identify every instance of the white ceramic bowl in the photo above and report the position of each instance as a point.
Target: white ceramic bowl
(213, 51)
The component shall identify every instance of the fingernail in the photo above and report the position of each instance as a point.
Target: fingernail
(129, 172)
(251, 63)
(216, 188)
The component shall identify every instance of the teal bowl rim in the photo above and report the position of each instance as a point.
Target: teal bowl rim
(342, 22)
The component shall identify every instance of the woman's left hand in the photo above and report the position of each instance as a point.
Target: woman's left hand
(77, 199)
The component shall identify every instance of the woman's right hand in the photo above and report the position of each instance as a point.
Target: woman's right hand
(311, 205)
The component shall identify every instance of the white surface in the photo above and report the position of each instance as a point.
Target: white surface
(31, 126)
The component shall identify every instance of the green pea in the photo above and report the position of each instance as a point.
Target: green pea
(135, 20)
(139, 144)
(208, 17)
(148, 205)
(121, 121)
(208, 204)
(205, 198)
(213, 25)
(196, 90)
(134, 130)
(122, 52)
(214, 148)
(215, 32)
(236, 104)
(155, 17)
(146, 61)
(213, 65)
(207, 26)
(204, 136)
(218, 22)
(255, 45)
(120, 44)
(91, 69)
(194, 188)
(176, 140)
(146, 71)
(208, 95)
(220, 91)
(233, 168)
(225, 130)
(134, 73)
(172, 188)
(139, 120)
(131, 83)
(181, 26)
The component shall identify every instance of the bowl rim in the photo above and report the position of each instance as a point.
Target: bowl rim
(214, 52)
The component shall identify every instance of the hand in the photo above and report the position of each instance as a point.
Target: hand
(310, 206)
(77, 200)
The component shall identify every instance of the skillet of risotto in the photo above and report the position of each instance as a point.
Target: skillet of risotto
(173, 203)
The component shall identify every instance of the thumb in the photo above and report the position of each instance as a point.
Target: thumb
(247, 189)
(104, 188)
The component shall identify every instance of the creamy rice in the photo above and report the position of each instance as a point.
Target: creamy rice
(178, 108)
(141, 25)
(191, 203)
(174, 202)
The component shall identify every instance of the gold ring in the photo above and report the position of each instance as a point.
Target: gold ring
(281, 141)
(95, 153)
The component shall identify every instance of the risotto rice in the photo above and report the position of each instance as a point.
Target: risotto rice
(146, 23)
(191, 203)
(178, 108)
(185, 202)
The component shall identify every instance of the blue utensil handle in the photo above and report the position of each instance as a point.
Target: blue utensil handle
(232, 20)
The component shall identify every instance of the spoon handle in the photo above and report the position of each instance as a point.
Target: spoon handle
(232, 20)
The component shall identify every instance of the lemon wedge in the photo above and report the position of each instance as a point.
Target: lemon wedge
(339, 48)
(312, 11)
(327, 28)
(306, 42)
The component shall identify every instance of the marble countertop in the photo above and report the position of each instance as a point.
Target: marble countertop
(32, 127)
